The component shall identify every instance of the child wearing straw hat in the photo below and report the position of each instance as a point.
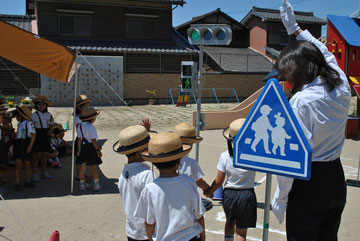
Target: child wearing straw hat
(239, 199)
(82, 103)
(3, 152)
(24, 142)
(42, 120)
(135, 175)
(89, 151)
(171, 205)
(189, 166)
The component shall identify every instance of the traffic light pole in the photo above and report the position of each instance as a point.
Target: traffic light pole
(198, 111)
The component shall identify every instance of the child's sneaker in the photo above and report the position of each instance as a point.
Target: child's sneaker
(18, 186)
(97, 186)
(35, 178)
(29, 183)
(82, 187)
(45, 175)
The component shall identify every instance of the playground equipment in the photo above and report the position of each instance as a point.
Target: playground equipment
(222, 119)
(186, 98)
(343, 42)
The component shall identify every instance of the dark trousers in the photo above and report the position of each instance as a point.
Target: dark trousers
(315, 206)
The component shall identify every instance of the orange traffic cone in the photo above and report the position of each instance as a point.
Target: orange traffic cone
(55, 236)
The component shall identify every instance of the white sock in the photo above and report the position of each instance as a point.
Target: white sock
(82, 181)
(96, 180)
(228, 238)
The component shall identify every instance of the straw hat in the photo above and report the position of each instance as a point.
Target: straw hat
(53, 127)
(43, 99)
(89, 113)
(3, 109)
(233, 129)
(25, 112)
(165, 147)
(82, 99)
(132, 139)
(187, 133)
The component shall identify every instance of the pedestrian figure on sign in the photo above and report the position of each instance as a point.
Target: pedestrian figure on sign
(261, 127)
(279, 135)
(187, 84)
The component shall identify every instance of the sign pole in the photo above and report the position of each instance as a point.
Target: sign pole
(198, 111)
(267, 207)
(73, 130)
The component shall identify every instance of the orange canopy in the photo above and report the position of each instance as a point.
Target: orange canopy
(35, 53)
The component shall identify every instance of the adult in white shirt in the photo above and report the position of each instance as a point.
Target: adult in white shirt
(320, 101)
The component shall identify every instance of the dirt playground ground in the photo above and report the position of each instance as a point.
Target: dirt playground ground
(91, 216)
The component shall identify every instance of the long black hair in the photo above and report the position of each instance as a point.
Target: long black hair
(301, 62)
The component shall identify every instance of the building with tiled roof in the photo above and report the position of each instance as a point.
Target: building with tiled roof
(267, 33)
(234, 58)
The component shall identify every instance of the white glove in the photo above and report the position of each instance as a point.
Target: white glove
(279, 203)
(279, 207)
(288, 17)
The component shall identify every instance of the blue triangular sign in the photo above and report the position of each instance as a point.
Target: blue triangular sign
(271, 139)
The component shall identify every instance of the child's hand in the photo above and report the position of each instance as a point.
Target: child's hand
(208, 193)
(78, 153)
(28, 149)
(146, 123)
(99, 154)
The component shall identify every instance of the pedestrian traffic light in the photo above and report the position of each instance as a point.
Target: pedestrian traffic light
(188, 76)
(209, 34)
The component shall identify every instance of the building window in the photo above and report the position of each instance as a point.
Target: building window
(75, 25)
(354, 55)
(140, 28)
(284, 39)
(279, 38)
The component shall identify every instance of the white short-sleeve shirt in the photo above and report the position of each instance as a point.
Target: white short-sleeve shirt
(173, 204)
(22, 129)
(132, 181)
(236, 177)
(88, 130)
(190, 167)
(46, 119)
(77, 120)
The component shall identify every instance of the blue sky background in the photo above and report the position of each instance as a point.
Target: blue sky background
(235, 8)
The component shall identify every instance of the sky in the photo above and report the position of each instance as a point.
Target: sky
(237, 9)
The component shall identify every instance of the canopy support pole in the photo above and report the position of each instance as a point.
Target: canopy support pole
(73, 131)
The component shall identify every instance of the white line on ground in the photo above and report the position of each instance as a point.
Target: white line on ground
(272, 230)
(221, 217)
(350, 171)
(222, 233)
(204, 143)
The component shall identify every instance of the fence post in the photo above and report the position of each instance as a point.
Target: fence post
(236, 96)
(172, 100)
(216, 96)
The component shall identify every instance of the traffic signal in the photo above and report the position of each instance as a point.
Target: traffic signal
(188, 76)
(209, 34)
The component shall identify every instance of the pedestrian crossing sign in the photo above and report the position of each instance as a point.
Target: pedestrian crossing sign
(271, 139)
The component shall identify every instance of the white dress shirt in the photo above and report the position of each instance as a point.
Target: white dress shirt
(322, 116)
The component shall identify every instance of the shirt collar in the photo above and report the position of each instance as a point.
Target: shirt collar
(316, 82)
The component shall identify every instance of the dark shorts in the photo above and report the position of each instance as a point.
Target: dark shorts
(240, 205)
(130, 239)
(88, 155)
(42, 141)
(20, 147)
(3, 154)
